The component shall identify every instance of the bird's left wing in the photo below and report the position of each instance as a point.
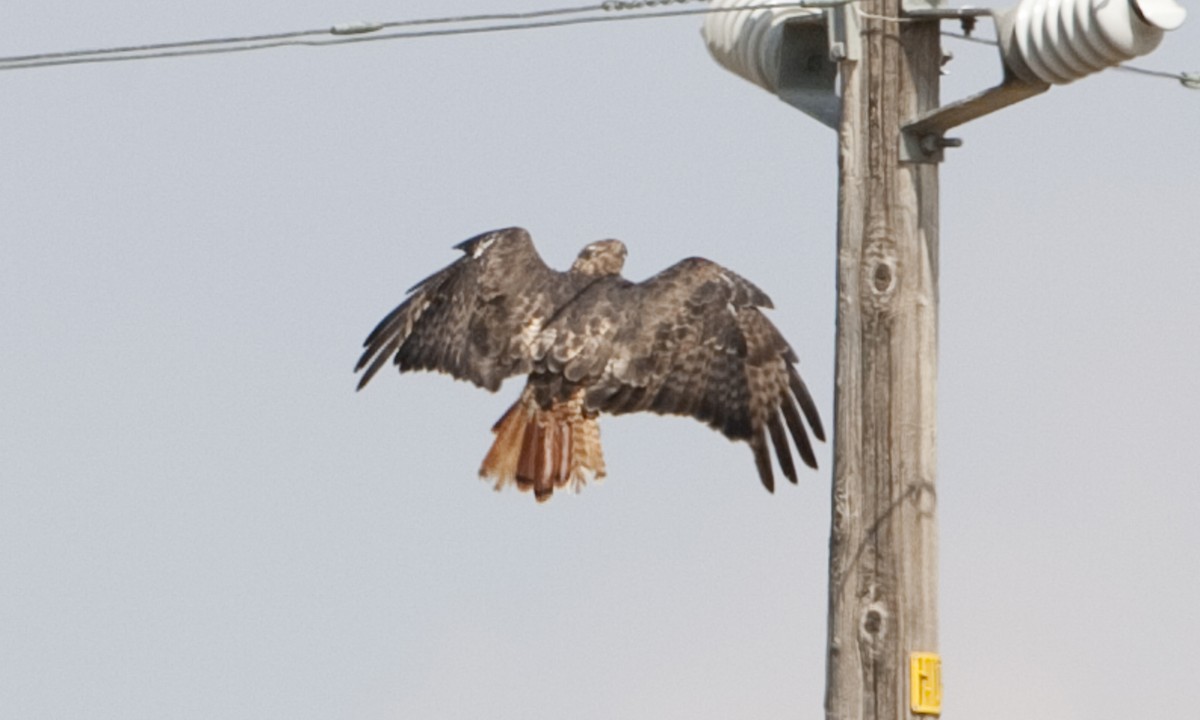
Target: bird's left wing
(690, 341)
(474, 319)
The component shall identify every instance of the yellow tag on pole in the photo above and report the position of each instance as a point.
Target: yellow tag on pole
(925, 675)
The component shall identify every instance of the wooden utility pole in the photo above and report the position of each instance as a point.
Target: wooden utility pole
(881, 662)
(882, 656)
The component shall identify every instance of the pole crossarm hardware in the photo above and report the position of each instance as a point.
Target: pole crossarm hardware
(794, 50)
(871, 70)
(1042, 42)
(924, 138)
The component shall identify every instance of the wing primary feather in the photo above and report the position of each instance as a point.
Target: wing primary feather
(762, 459)
(379, 331)
(384, 328)
(380, 361)
(800, 390)
(782, 451)
(799, 435)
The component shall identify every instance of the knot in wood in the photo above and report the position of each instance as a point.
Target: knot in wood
(872, 621)
(882, 277)
(872, 627)
(879, 276)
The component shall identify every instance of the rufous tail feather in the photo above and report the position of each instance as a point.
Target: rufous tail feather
(542, 450)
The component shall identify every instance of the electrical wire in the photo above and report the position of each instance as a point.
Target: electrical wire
(349, 28)
(613, 10)
(1188, 80)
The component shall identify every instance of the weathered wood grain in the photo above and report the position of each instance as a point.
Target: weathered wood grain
(883, 541)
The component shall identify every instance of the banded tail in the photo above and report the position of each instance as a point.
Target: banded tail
(545, 449)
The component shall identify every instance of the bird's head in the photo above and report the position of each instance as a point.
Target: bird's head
(603, 257)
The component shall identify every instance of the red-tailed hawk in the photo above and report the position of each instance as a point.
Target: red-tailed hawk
(689, 341)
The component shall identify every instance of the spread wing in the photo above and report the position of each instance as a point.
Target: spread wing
(474, 319)
(688, 341)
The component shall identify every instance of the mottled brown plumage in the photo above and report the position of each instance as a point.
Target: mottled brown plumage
(690, 341)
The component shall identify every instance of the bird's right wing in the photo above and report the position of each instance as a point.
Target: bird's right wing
(474, 319)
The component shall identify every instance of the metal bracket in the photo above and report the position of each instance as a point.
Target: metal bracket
(807, 74)
(811, 49)
(845, 37)
(924, 139)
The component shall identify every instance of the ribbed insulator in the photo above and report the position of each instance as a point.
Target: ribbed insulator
(1059, 41)
(746, 42)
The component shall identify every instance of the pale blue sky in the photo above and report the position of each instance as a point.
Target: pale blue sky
(201, 519)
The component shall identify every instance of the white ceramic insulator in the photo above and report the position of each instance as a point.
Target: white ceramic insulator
(1060, 41)
(746, 42)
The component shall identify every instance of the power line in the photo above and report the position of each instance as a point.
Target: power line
(611, 11)
(1190, 80)
(344, 29)
(358, 32)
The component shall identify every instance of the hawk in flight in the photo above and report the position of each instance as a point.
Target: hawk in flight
(689, 341)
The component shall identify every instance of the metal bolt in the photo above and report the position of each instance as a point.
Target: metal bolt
(933, 143)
